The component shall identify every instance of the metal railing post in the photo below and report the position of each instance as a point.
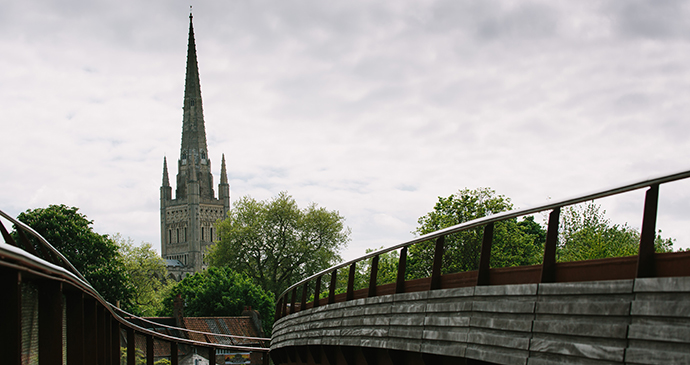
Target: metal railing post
(400, 279)
(11, 316)
(50, 323)
(284, 309)
(114, 341)
(646, 266)
(292, 301)
(75, 328)
(149, 350)
(373, 275)
(331, 289)
(485, 255)
(435, 282)
(351, 282)
(279, 306)
(317, 290)
(131, 347)
(100, 312)
(212, 356)
(303, 302)
(548, 266)
(90, 331)
(173, 354)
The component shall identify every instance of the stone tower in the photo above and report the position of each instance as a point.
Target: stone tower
(187, 221)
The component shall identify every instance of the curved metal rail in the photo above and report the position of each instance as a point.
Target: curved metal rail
(645, 261)
(93, 326)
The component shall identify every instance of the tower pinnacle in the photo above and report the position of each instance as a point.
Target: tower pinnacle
(166, 180)
(193, 146)
(223, 172)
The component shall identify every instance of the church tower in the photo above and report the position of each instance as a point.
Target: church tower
(187, 221)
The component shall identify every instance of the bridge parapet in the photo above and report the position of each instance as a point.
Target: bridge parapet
(50, 315)
(639, 321)
(626, 309)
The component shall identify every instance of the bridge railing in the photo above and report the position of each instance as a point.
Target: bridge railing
(646, 264)
(50, 315)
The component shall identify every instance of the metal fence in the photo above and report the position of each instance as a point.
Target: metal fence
(51, 315)
(646, 264)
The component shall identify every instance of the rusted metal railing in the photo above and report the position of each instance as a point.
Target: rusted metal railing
(646, 264)
(51, 314)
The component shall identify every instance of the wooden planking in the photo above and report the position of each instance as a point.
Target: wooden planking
(636, 321)
(659, 332)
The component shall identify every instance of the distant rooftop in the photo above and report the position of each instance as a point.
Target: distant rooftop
(173, 263)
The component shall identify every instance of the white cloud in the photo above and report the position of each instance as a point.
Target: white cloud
(372, 109)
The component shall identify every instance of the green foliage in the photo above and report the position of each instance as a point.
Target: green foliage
(586, 234)
(218, 292)
(148, 276)
(388, 267)
(95, 256)
(514, 243)
(276, 243)
(140, 358)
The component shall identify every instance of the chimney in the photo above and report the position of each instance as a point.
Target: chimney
(178, 310)
(256, 319)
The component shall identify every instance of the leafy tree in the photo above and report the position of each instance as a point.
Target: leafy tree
(219, 292)
(585, 234)
(276, 243)
(140, 358)
(387, 270)
(514, 243)
(95, 256)
(148, 276)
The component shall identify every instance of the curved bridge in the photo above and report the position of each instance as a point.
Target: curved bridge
(640, 321)
(50, 315)
(632, 310)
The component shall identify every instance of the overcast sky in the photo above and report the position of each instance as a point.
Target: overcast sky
(371, 108)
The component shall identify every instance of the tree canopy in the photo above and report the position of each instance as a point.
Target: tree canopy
(515, 242)
(94, 255)
(147, 274)
(586, 234)
(219, 292)
(276, 243)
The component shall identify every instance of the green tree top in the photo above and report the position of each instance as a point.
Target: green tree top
(148, 276)
(514, 243)
(217, 292)
(95, 256)
(276, 243)
(586, 234)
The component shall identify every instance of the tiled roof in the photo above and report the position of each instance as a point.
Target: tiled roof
(238, 326)
(173, 263)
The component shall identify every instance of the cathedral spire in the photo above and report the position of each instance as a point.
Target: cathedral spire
(166, 180)
(194, 148)
(223, 172)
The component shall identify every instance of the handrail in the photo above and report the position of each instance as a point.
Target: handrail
(58, 268)
(555, 205)
(46, 244)
(158, 324)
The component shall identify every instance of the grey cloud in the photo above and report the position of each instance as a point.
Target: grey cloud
(650, 19)
(526, 21)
